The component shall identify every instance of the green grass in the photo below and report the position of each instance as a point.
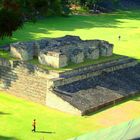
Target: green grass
(5, 54)
(16, 117)
(72, 66)
(105, 26)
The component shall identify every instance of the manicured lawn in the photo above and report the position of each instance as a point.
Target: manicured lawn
(105, 26)
(16, 117)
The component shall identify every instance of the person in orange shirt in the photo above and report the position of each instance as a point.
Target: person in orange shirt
(34, 125)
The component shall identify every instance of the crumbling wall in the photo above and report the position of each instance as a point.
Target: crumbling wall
(93, 70)
(71, 47)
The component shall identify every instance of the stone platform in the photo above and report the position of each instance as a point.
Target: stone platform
(98, 91)
(79, 91)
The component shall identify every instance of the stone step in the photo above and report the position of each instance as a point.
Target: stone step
(97, 67)
(69, 79)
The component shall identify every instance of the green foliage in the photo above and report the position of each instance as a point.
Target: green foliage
(14, 12)
(10, 21)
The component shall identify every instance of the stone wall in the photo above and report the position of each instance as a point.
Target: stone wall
(88, 68)
(67, 48)
(93, 70)
(28, 81)
(56, 102)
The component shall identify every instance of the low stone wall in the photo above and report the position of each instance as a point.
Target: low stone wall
(85, 69)
(91, 71)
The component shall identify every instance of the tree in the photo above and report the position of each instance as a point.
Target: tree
(10, 18)
(14, 12)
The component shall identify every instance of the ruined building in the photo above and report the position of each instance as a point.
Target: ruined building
(78, 91)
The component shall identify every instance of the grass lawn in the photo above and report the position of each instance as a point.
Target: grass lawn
(16, 117)
(105, 26)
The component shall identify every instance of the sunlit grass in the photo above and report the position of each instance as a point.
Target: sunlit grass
(5, 54)
(19, 113)
(16, 117)
(105, 26)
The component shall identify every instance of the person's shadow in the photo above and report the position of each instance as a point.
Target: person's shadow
(45, 132)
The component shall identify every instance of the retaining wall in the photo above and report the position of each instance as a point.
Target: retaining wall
(93, 70)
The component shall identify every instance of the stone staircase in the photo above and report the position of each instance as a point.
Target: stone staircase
(24, 82)
(96, 92)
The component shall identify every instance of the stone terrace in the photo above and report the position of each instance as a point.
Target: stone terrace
(98, 91)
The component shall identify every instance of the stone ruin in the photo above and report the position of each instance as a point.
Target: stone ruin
(79, 91)
(59, 52)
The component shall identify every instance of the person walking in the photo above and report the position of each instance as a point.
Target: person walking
(119, 37)
(34, 126)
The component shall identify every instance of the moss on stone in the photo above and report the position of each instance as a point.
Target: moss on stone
(72, 66)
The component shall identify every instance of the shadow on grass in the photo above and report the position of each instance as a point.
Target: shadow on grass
(7, 138)
(43, 28)
(3, 113)
(45, 132)
(133, 97)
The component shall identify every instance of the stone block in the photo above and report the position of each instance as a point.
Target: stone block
(36, 48)
(106, 49)
(22, 51)
(53, 59)
(77, 56)
(92, 53)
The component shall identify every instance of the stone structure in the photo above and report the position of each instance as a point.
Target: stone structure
(78, 91)
(63, 50)
(53, 59)
(77, 56)
(25, 50)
